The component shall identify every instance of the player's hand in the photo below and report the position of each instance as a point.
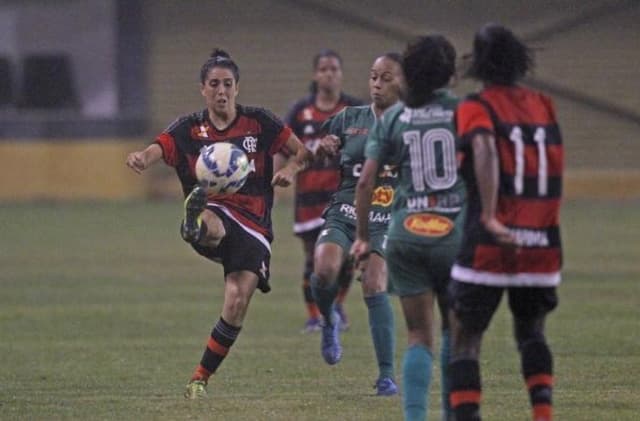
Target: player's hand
(137, 161)
(328, 146)
(500, 232)
(360, 252)
(284, 177)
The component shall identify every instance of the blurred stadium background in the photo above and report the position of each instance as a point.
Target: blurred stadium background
(84, 81)
(103, 310)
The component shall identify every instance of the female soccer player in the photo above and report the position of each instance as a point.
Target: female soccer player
(347, 134)
(316, 184)
(513, 163)
(232, 229)
(428, 206)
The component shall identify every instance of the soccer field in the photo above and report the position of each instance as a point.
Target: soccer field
(104, 312)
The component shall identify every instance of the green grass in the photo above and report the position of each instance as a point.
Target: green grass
(104, 313)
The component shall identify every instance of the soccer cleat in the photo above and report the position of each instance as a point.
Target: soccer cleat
(344, 320)
(194, 204)
(330, 344)
(196, 389)
(385, 387)
(313, 324)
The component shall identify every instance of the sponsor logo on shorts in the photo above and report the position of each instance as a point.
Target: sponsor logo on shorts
(382, 196)
(428, 225)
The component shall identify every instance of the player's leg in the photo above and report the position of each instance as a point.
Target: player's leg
(445, 353)
(328, 258)
(408, 278)
(529, 307)
(345, 279)
(381, 324)
(238, 290)
(200, 225)
(245, 258)
(472, 307)
(418, 358)
(313, 313)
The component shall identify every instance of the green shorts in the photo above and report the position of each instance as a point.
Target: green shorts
(414, 268)
(340, 228)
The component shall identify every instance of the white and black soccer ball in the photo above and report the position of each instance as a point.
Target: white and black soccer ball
(222, 168)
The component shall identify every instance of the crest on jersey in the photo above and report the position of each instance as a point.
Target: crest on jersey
(250, 144)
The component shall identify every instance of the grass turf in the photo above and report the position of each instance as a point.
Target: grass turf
(104, 312)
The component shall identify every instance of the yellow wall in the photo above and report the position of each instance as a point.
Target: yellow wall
(65, 170)
(95, 169)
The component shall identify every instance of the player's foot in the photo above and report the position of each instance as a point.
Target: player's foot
(344, 320)
(194, 204)
(196, 389)
(386, 387)
(313, 324)
(331, 349)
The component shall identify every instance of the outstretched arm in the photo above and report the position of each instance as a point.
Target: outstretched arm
(285, 176)
(141, 160)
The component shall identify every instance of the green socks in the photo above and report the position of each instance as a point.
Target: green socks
(416, 376)
(382, 331)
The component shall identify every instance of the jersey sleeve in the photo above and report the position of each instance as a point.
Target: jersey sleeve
(276, 132)
(168, 145)
(472, 118)
(167, 140)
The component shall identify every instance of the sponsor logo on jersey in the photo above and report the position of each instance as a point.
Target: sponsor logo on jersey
(530, 238)
(429, 115)
(357, 130)
(250, 144)
(308, 130)
(307, 113)
(386, 171)
(203, 131)
(382, 196)
(428, 225)
(390, 171)
(439, 202)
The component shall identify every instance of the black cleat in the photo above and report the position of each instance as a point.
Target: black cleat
(194, 204)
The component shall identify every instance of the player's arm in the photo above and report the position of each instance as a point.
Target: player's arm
(279, 161)
(364, 191)
(300, 159)
(141, 160)
(486, 168)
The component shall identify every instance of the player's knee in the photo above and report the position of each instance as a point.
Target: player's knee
(528, 330)
(422, 336)
(325, 271)
(373, 284)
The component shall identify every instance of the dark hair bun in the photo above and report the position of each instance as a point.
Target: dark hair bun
(219, 53)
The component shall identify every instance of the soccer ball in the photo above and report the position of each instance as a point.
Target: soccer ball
(222, 168)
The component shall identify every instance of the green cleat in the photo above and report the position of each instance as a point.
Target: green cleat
(196, 389)
(194, 204)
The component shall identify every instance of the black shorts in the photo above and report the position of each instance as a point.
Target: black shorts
(475, 304)
(238, 251)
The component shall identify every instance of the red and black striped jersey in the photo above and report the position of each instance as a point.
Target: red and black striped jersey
(316, 184)
(530, 154)
(258, 132)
